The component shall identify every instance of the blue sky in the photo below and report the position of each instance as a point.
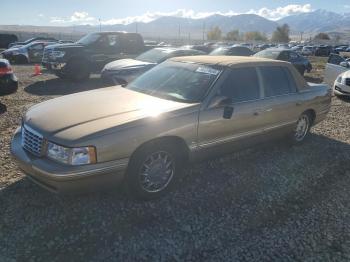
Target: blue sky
(70, 12)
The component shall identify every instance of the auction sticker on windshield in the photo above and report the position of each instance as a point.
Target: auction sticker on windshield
(207, 70)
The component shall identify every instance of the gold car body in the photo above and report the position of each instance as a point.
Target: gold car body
(117, 121)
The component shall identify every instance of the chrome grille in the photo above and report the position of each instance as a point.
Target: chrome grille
(347, 81)
(32, 141)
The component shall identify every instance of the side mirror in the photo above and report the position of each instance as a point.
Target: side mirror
(344, 64)
(220, 101)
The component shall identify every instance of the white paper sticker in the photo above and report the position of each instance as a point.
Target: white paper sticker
(207, 70)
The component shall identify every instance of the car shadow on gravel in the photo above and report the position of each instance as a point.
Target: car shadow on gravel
(218, 202)
(344, 98)
(57, 86)
(3, 108)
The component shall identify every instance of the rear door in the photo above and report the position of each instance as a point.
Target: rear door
(281, 104)
(333, 69)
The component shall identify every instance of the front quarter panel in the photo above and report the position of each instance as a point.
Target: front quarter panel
(120, 142)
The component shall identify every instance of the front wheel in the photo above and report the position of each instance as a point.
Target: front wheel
(77, 70)
(153, 171)
(302, 128)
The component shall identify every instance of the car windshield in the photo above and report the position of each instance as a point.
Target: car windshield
(155, 55)
(272, 54)
(219, 51)
(89, 39)
(177, 81)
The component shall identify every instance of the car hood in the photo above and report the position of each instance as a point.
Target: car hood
(75, 116)
(126, 64)
(64, 46)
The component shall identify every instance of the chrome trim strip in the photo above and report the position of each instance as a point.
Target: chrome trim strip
(241, 135)
(118, 165)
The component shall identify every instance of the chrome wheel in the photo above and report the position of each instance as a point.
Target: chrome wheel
(302, 128)
(156, 172)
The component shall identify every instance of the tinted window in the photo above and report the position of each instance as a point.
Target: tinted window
(277, 81)
(241, 85)
(293, 55)
(284, 56)
(335, 59)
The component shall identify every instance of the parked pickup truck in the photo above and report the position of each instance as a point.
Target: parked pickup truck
(184, 109)
(78, 60)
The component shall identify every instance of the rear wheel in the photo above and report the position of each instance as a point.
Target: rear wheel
(302, 128)
(21, 59)
(153, 171)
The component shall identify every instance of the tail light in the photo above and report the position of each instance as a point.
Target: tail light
(5, 70)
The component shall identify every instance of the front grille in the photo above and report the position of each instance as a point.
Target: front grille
(32, 141)
(347, 81)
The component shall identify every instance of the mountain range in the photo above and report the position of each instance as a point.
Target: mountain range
(173, 27)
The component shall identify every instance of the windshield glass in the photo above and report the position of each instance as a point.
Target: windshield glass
(155, 55)
(182, 82)
(219, 51)
(272, 54)
(89, 39)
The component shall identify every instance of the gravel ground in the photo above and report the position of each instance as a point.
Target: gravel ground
(269, 203)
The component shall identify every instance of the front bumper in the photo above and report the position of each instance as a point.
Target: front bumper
(64, 179)
(341, 90)
(53, 66)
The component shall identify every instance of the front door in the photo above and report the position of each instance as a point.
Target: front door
(241, 118)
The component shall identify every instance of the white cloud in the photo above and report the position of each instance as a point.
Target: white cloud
(272, 14)
(76, 18)
(41, 15)
(280, 12)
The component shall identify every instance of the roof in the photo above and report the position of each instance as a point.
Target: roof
(229, 61)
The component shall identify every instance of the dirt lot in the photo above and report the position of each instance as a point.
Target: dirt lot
(270, 203)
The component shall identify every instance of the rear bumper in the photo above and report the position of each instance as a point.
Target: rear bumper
(64, 179)
(8, 84)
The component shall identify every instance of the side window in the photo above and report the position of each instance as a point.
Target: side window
(277, 81)
(335, 59)
(37, 47)
(112, 40)
(241, 85)
(132, 43)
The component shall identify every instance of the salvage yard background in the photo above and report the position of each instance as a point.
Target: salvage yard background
(272, 202)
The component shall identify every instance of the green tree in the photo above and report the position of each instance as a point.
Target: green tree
(233, 35)
(322, 36)
(255, 36)
(281, 34)
(214, 34)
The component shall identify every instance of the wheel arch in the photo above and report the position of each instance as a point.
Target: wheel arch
(312, 114)
(175, 141)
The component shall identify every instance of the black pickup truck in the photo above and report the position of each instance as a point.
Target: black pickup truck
(76, 61)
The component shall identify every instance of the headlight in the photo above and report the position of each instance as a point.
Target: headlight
(58, 54)
(71, 156)
(339, 79)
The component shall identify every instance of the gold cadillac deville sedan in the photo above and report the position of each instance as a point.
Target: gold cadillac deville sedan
(182, 110)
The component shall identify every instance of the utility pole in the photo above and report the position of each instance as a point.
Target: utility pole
(301, 36)
(100, 24)
(136, 25)
(203, 32)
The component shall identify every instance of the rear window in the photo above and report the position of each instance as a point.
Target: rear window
(277, 81)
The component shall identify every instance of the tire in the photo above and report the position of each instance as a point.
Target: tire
(77, 70)
(145, 178)
(21, 60)
(302, 128)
